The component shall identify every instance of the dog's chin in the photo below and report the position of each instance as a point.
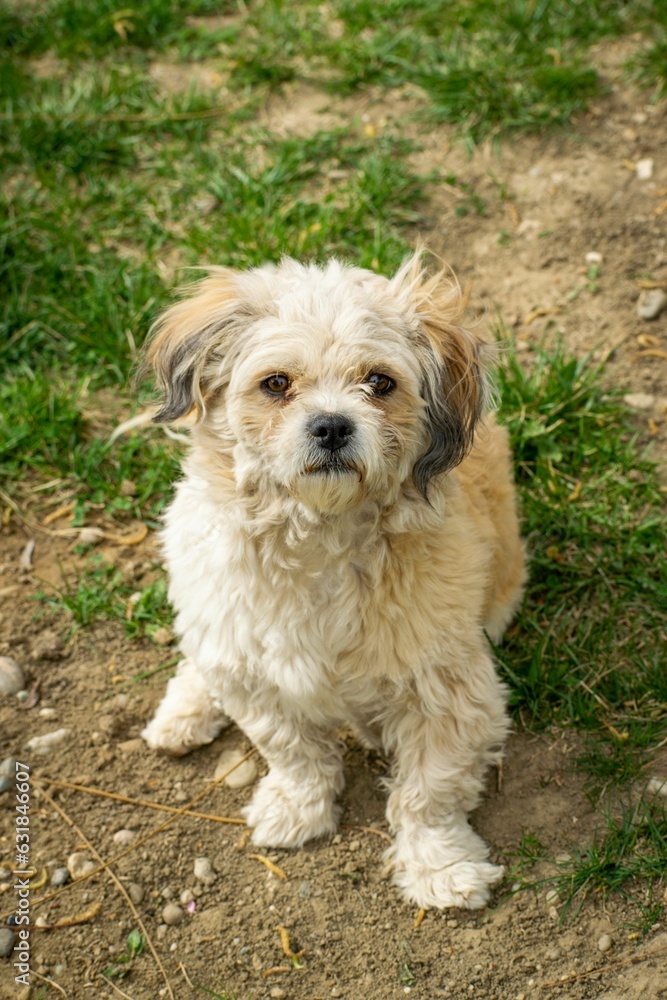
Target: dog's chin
(328, 489)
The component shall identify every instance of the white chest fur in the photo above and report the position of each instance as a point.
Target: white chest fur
(266, 607)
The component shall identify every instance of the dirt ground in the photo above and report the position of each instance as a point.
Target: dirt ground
(548, 204)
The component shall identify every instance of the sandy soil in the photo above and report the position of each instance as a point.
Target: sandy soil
(548, 204)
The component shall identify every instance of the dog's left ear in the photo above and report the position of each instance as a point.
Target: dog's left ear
(455, 385)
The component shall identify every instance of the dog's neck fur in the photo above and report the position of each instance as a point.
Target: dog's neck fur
(284, 526)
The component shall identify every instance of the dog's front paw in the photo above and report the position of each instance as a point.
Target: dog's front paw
(283, 815)
(433, 870)
(177, 736)
(465, 884)
(188, 716)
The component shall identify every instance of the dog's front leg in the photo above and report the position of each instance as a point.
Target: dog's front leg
(295, 802)
(449, 730)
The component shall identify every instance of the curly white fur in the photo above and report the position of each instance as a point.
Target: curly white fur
(309, 596)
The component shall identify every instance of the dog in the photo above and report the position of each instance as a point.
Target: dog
(343, 541)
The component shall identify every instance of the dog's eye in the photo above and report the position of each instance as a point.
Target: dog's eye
(277, 385)
(380, 384)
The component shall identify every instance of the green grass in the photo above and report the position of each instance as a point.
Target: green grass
(626, 856)
(111, 190)
(101, 592)
(588, 647)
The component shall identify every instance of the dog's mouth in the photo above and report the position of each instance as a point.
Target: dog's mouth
(334, 467)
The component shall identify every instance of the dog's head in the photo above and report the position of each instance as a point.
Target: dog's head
(329, 383)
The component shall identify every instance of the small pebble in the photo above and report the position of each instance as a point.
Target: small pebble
(204, 871)
(657, 786)
(278, 993)
(25, 562)
(135, 892)
(163, 636)
(551, 897)
(42, 744)
(8, 767)
(592, 257)
(124, 836)
(651, 303)
(48, 646)
(90, 536)
(639, 400)
(108, 724)
(187, 896)
(7, 939)
(60, 877)
(7, 774)
(11, 676)
(161, 932)
(132, 746)
(128, 488)
(644, 169)
(79, 864)
(172, 914)
(242, 776)
(41, 921)
(604, 943)
(48, 713)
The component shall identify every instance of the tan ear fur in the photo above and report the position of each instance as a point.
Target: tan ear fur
(455, 386)
(188, 344)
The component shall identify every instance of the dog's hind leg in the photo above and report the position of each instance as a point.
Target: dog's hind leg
(187, 717)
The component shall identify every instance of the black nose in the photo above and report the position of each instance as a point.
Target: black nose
(331, 430)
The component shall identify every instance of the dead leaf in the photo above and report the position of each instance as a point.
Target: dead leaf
(646, 340)
(574, 495)
(275, 969)
(269, 864)
(84, 917)
(33, 695)
(25, 562)
(542, 311)
(513, 213)
(131, 538)
(285, 942)
(55, 515)
(418, 919)
(653, 353)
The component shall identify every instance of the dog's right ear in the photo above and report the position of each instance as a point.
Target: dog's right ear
(189, 344)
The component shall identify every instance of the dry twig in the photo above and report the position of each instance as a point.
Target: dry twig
(135, 913)
(603, 968)
(141, 802)
(142, 840)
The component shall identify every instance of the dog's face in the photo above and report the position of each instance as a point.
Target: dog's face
(329, 384)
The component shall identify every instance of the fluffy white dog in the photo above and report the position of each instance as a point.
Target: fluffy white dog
(342, 538)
